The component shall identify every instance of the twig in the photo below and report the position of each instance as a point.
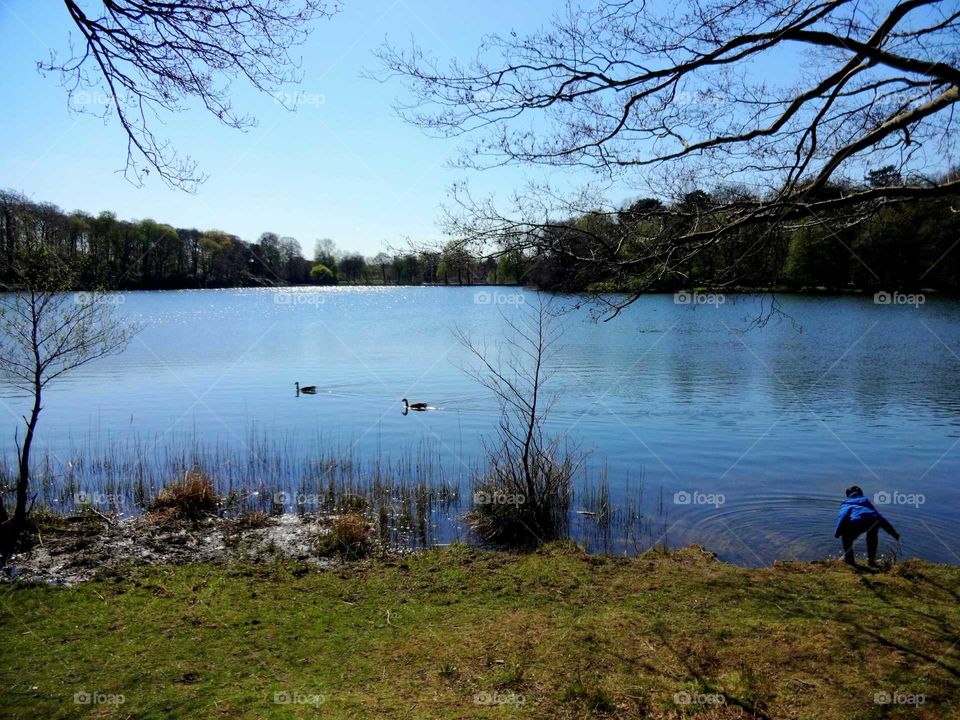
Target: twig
(107, 519)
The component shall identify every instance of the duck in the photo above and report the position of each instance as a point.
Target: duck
(414, 406)
(306, 389)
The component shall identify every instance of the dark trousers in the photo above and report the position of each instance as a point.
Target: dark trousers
(872, 530)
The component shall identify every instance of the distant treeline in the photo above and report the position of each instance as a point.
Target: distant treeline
(911, 244)
(907, 245)
(106, 252)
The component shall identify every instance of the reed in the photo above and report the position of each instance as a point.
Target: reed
(517, 504)
(412, 500)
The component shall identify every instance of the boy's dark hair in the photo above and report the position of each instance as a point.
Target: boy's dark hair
(854, 490)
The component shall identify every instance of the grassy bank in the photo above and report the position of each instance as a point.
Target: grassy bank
(463, 633)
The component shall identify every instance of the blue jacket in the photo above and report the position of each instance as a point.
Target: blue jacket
(856, 512)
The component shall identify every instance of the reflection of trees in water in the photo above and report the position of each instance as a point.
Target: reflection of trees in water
(831, 351)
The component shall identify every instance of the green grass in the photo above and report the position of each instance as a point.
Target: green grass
(461, 633)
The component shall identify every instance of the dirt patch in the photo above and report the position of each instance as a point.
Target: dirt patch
(75, 549)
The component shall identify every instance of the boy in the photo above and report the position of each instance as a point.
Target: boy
(858, 516)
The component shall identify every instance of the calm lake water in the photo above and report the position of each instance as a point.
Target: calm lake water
(736, 437)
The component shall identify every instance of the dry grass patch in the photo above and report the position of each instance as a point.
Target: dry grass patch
(349, 537)
(193, 497)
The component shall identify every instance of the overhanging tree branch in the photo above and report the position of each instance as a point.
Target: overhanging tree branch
(149, 57)
(780, 108)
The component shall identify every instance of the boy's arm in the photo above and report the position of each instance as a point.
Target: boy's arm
(842, 519)
(884, 523)
(888, 528)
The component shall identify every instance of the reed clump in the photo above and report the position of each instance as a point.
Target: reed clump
(349, 537)
(193, 497)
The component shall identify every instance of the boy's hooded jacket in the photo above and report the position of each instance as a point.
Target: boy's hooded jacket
(857, 513)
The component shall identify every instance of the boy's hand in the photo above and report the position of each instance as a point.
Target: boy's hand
(896, 536)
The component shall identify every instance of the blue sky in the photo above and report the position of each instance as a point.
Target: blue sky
(342, 166)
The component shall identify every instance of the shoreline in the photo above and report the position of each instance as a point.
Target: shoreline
(802, 291)
(72, 549)
(77, 548)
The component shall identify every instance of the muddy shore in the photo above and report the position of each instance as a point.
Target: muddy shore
(73, 549)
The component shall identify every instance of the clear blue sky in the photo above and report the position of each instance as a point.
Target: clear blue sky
(347, 169)
(342, 166)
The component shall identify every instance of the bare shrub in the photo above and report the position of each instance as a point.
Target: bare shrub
(513, 510)
(523, 498)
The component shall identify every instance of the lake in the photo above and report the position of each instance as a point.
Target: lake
(711, 429)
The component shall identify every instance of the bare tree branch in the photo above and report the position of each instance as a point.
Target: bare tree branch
(144, 57)
(695, 95)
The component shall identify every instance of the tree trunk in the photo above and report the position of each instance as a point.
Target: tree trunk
(23, 481)
(532, 418)
(11, 528)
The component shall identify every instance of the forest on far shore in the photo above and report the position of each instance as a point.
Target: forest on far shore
(901, 246)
